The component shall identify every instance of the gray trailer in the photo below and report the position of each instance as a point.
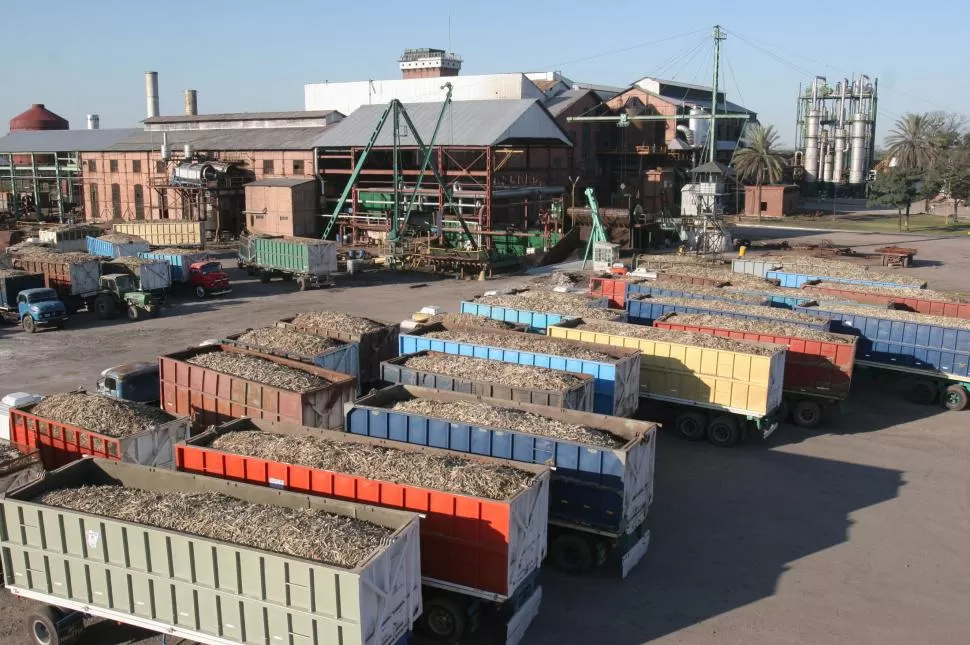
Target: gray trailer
(201, 589)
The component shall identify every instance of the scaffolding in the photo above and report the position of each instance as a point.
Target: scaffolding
(40, 185)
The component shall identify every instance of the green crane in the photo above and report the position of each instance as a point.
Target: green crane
(597, 234)
(397, 111)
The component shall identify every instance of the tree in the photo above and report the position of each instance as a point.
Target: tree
(898, 188)
(916, 140)
(759, 160)
(951, 177)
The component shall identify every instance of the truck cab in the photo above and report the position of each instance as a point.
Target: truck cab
(120, 293)
(40, 308)
(208, 279)
(136, 382)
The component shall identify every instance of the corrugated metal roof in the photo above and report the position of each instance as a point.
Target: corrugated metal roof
(64, 140)
(466, 123)
(282, 182)
(562, 102)
(240, 116)
(228, 139)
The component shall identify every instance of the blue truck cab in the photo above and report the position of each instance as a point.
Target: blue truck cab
(136, 382)
(40, 308)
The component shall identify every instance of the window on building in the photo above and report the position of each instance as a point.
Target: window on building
(92, 166)
(267, 166)
(297, 166)
(139, 202)
(116, 200)
(113, 165)
(160, 167)
(136, 165)
(764, 207)
(95, 206)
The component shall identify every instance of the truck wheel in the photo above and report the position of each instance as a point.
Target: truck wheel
(723, 431)
(200, 292)
(956, 398)
(264, 278)
(444, 619)
(42, 626)
(571, 553)
(28, 324)
(133, 313)
(923, 392)
(104, 307)
(690, 425)
(807, 414)
(301, 284)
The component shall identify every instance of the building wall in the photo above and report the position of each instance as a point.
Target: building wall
(132, 172)
(586, 138)
(776, 201)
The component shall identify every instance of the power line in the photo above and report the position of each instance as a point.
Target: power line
(623, 50)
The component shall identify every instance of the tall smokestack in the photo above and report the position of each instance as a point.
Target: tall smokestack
(151, 93)
(191, 103)
(94, 122)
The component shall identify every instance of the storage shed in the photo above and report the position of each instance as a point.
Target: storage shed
(282, 206)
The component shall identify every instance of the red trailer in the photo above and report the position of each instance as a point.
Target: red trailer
(210, 397)
(818, 365)
(481, 548)
(62, 443)
(612, 288)
(888, 297)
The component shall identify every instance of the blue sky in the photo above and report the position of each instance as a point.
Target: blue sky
(83, 57)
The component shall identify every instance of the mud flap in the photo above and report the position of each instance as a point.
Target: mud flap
(634, 554)
(769, 429)
(517, 625)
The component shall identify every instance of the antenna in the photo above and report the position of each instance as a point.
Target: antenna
(449, 32)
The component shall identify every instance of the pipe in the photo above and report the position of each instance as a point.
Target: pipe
(151, 93)
(191, 103)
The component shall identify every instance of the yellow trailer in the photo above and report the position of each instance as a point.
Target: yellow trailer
(166, 233)
(719, 386)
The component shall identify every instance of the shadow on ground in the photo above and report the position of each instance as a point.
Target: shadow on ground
(725, 525)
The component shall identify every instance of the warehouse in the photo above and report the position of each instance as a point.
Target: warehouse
(504, 162)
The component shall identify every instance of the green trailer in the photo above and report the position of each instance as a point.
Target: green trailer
(311, 262)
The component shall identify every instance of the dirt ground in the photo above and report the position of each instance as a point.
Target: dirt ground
(854, 534)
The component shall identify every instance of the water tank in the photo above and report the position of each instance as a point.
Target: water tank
(188, 151)
(699, 126)
(195, 173)
(94, 122)
(38, 118)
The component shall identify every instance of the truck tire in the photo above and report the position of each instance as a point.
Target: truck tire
(444, 619)
(133, 313)
(42, 626)
(956, 398)
(301, 284)
(922, 392)
(264, 278)
(571, 553)
(691, 424)
(28, 324)
(200, 292)
(807, 414)
(104, 307)
(723, 431)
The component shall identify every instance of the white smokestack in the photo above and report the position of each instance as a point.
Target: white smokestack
(191, 103)
(151, 93)
(94, 122)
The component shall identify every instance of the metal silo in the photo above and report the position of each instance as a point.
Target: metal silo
(838, 166)
(811, 147)
(151, 93)
(857, 161)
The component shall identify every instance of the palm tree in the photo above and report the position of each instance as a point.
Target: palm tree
(915, 141)
(758, 160)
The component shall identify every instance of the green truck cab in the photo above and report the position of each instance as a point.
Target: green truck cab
(120, 294)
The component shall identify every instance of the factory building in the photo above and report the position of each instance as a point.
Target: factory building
(504, 161)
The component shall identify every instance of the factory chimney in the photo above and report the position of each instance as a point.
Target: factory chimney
(151, 93)
(191, 103)
(94, 122)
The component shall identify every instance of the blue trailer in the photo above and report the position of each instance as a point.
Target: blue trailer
(345, 358)
(599, 497)
(116, 246)
(178, 263)
(536, 320)
(616, 388)
(646, 311)
(659, 289)
(934, 355)
(796, 280)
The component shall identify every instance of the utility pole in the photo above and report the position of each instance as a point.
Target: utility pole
(712, 137)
